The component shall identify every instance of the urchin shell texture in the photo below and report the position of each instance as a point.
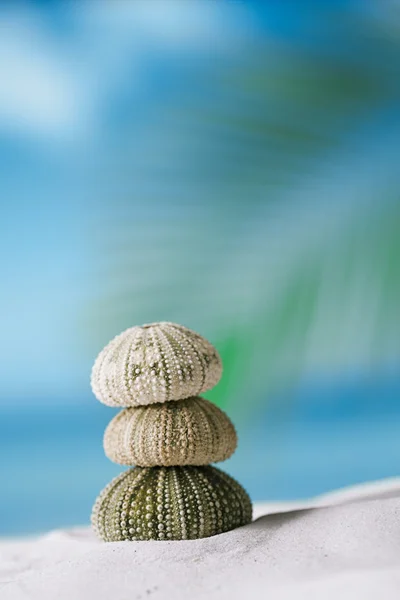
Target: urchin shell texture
(170, 503)
(155, 363)
(189, 432)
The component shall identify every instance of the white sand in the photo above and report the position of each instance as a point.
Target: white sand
(344, 545)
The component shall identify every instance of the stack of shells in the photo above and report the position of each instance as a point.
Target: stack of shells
(171, 434)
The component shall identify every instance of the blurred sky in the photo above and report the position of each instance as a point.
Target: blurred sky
(72, 72)
(229, 165)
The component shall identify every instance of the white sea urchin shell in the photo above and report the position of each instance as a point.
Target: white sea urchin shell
(155, 363)
(189, 432)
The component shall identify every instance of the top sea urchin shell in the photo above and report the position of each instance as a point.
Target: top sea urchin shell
(155, 363)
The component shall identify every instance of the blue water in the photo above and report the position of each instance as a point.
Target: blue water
(53, 463)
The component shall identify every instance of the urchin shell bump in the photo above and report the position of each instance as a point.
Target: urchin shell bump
(189, 432)
(155, 363)
(172, 503)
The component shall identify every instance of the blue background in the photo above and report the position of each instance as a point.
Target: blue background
(229, 166)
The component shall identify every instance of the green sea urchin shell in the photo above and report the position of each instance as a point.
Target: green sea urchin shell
(155, 363)
(170, 503)
(188, 432)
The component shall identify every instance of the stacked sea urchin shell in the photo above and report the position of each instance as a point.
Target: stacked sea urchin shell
(171, 434)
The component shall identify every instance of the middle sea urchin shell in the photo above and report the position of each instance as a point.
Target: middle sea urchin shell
(173, 503)
(189, 432)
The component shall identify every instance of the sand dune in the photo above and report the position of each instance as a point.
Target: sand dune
(344, 545)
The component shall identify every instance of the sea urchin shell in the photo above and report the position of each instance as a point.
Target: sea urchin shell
(189, 432)
(172, 503)
(155, 363)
